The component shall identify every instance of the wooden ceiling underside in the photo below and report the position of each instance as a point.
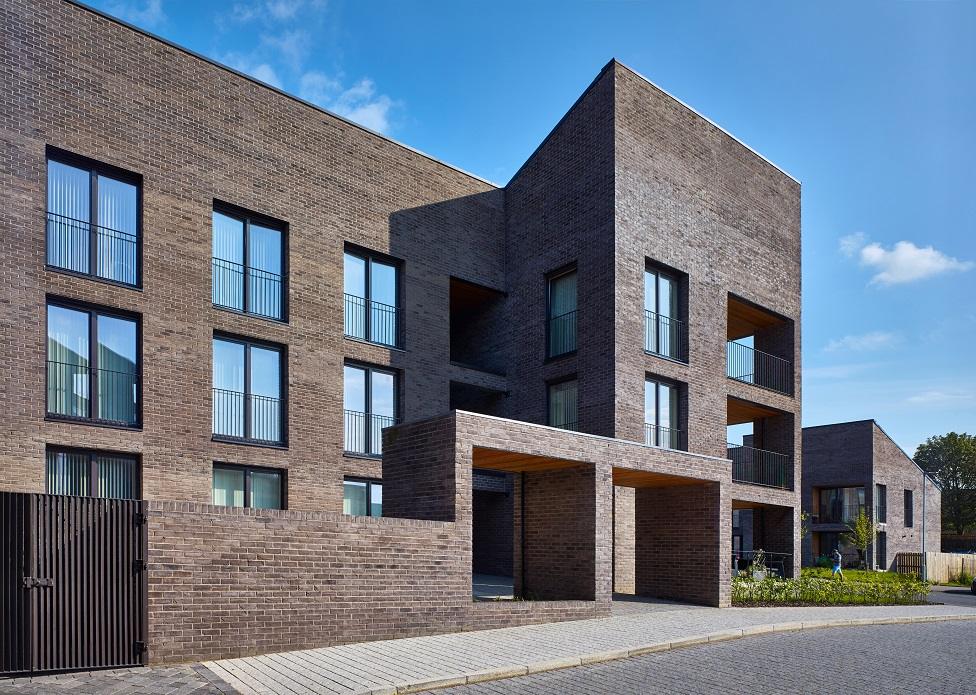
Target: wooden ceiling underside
(740, 412)
(514, 462)
(626, 477)
(746, 320)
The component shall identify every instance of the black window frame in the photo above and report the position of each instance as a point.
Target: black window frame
(562, 271)
(93, 311)
(369, 256)
(93, 468)
(556, 382)
(680, 283)
(370, 482)
(282, 351)
(679, 419)
(247, 470)
(880, 503)
(247, 217)
(94, 169)
(368, 396)
(909, 499)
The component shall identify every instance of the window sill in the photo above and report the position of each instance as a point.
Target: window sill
(238, 312)
(561, 356)
(49, 417)
(248, 442)
(366, 457)
(665, 357)
(88, 276)
(363, 341)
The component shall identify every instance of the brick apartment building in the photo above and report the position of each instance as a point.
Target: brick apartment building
(852, 467)
(340, 376)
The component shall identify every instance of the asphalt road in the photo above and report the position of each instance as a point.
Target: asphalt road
(926, 658)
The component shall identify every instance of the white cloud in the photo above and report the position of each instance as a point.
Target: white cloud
(258, 70)
(271, 10)
(318, 87)
(292, 46)
(904, 262)
(876, 340)
(146, 14)
(852, 243)
(359, 103)
(937, 398)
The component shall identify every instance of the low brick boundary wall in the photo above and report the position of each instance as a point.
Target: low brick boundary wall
(235, 582)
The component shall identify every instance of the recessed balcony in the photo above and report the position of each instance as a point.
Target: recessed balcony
(763, 456)
(759, 347)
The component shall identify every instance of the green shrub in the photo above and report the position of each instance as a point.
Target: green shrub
(964, 578)
(858, 575)
(816, 591)
(824, 561)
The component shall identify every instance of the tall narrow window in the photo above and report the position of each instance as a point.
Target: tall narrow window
(909, 509)
(370, 404)
(247, 486)
(362, 497)
(881, 504)
(561, 314)
(661, 415)
(371, 299)
(93, 221)
(663, 331)
(92, 353)
(563, 406)
(247, 391)
(248, 264)
(91, 474)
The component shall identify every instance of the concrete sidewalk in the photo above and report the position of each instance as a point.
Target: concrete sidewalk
(419, 663)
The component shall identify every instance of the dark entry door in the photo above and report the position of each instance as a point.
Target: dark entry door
(72, 583)
(882, 552)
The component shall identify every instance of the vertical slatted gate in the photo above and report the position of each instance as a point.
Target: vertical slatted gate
(73, 583)
(909, 563)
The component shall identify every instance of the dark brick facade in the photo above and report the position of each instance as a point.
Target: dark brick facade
(861, 454)
(629, 176)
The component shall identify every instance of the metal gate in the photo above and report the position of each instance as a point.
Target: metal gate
(72, 583)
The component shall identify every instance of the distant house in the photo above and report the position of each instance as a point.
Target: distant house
(854, 466)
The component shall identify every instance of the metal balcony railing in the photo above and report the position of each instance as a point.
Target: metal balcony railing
(571, 426)
(363, 432)
(562, 334)
(759, 467)
(756, 367)
(372, 321)
(840, 513)
(665, 336)
(69, 389)
(248, 417)
(80, 246)
(251, 290)
(664, 437)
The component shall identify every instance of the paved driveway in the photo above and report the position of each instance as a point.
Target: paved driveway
(931, 658)
(953, 596)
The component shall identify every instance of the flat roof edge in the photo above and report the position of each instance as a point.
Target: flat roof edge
(708, 120)
(254, 80)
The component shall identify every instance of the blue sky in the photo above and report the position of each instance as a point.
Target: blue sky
(871, 105)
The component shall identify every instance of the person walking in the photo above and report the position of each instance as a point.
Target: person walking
(838, 559)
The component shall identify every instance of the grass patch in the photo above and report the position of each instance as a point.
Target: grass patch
(869, 576)
(816, 591)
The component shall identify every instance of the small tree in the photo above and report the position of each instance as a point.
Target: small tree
(804, 525)
(860, 534)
